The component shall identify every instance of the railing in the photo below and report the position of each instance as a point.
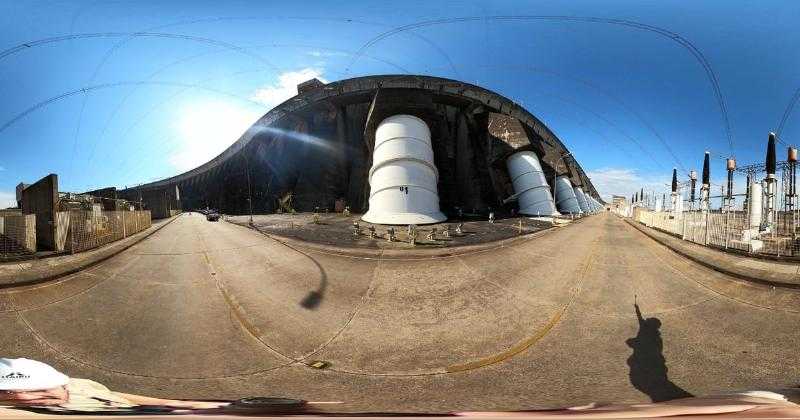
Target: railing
(90, 229)
(17, 235)
(727, 230)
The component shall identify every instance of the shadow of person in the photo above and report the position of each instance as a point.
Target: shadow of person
(648, 368)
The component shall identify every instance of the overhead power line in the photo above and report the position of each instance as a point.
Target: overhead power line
(787, 112)
(46, 102)
(672, 36)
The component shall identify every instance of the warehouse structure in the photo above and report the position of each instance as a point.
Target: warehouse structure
(318, 150)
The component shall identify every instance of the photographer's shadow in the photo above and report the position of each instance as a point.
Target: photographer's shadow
(648, 368)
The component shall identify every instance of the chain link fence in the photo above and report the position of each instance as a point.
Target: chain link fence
(730, 230)
(17, 235)
(93, 228)
(80, 224)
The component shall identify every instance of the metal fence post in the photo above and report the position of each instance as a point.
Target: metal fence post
(71, 232)
(683, 227)
(727, 228)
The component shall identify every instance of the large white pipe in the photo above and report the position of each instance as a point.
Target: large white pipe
(676, 207)
(581, 199)
(530, 185)
(754, 205)
(403, 176)
(566, 202)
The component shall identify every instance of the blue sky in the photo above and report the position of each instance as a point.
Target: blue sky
(629, 103)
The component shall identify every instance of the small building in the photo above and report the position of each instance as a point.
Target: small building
(309, 85)
(618, 202)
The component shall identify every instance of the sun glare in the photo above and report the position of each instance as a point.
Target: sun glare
(206, 129)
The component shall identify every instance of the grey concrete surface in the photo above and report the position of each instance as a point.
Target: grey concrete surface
(215, 310)
(39, 270)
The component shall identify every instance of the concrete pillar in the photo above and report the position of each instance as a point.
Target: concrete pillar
(41, 199)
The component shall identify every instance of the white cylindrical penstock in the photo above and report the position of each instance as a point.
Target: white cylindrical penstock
(530, 185)
(403, 176)
(566, 202)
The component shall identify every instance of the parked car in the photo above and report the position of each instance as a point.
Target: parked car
(212, 216)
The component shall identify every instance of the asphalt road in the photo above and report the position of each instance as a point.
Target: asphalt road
(215, 310)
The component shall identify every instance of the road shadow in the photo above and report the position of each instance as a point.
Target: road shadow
(314, 297)
(648, 368)
(312, 300)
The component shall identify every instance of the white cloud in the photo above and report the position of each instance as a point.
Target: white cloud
(286, 86)
(625, 182)
(326, 53)
(207, 129)
(8, 199)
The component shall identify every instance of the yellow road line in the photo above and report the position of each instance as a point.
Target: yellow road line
(514, 350)
(530, 341)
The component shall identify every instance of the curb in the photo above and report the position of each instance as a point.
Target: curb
(87, 264)
(402, 254)
(714, 267)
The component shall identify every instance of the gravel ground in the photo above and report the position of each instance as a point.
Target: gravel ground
(337, 229)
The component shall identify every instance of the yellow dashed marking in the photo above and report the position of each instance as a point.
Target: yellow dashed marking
(514, 350)
(530, 341)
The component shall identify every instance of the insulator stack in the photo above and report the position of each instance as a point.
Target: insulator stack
(791, 158)
(747, 189)
(770, 182)
(674, 180)
(771, 161)
(731, 166)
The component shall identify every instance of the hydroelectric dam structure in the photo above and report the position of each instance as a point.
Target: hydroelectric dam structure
(477, 152)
